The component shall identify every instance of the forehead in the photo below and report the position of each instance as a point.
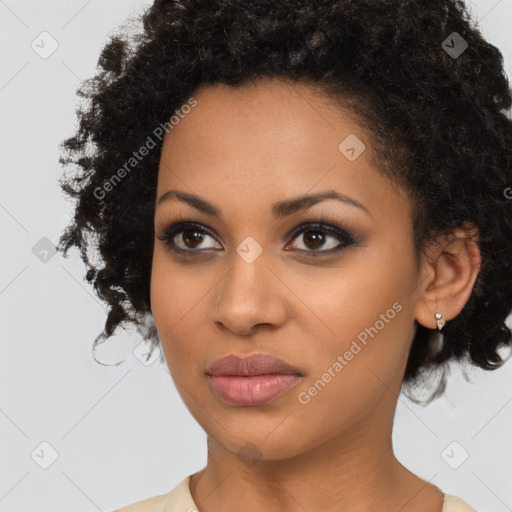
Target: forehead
(267, 141)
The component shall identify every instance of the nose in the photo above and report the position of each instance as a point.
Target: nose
(249, 298)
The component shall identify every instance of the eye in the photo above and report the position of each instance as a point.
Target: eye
(316, 235)
(186, 237)
(191, 237)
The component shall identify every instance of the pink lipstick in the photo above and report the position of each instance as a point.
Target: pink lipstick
(251, 380)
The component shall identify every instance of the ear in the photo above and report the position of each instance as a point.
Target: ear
(448, 274)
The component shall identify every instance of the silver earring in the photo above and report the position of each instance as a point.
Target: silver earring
(440, 323)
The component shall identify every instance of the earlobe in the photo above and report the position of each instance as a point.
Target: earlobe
(440, 321)
(450, 273)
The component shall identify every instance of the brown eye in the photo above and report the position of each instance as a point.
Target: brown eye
(191, 238)
(187, 237)
(316, 238)
(321, 238)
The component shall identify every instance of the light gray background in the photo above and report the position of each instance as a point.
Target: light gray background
(121, 433)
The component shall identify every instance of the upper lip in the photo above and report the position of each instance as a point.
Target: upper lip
(254, 364)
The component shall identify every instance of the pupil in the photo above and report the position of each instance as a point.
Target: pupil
(194, 240)
(316, 237)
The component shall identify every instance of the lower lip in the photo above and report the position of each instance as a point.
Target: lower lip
(255, 390)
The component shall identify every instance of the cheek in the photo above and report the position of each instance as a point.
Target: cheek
(365, 292)
(352, 374)
(173, 292)
(168, 294)
(363, 330)
(178, 303)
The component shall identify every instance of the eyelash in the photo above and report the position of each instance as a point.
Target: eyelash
(321, 224)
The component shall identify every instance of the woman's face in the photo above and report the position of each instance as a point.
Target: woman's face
(252, 282)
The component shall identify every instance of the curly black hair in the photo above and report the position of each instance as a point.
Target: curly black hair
(437, 120)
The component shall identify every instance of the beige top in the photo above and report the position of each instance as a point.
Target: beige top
(180, 500)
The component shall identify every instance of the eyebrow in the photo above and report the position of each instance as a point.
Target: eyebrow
(280, 209)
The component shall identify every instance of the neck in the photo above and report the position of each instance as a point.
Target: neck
(354, 471)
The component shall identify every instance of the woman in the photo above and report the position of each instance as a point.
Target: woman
(305, 203)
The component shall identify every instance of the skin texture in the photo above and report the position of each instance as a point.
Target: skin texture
(243, 150)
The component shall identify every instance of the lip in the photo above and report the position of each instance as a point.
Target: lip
(251, 380)
(254, 364)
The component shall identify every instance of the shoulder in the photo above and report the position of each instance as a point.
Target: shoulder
(153, 504)
(455, 504)
(178, 499)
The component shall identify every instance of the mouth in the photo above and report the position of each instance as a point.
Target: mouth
(253, 380)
